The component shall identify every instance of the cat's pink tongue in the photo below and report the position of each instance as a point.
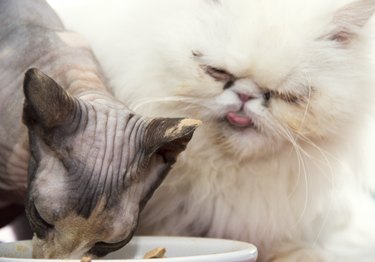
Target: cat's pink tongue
(239, 120)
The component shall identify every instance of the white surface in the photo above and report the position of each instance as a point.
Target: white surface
(179, 249)
(17, 230)
(7, 234)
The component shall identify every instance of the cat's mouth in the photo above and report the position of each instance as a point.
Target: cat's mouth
(239, 119)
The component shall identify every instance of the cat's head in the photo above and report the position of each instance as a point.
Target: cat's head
(93, 166)
(263, 74)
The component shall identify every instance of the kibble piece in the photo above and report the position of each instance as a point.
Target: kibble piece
(86, 259)
(158, 252)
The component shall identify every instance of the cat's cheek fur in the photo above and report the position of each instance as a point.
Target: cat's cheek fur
(295, 118)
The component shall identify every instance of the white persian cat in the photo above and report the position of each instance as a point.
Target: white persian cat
(285, 90)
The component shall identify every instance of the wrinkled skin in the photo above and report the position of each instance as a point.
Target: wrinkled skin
(91, 163)
(92, 168)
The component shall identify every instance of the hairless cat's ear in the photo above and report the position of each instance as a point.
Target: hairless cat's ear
(169, 136)
(349, 19)
(46, 103)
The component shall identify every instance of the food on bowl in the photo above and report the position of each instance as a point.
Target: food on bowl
(86, 259)
(158, 252)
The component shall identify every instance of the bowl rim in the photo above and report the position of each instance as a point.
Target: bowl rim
(245, 250)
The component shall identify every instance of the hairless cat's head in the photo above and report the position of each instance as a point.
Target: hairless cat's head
(93, 166)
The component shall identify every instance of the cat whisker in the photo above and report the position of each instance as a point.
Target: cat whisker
(326, 155)
(330, 178)
(302, 170)
(144, 101)
(281, 130)
(307, 107)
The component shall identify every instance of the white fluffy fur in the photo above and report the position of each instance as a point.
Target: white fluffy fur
(298, 187)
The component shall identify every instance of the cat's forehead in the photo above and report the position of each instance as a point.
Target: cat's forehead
(97, 129)
(99, 122)
(267, 39)
(104, 112)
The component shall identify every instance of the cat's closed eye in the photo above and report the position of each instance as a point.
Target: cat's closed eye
(285, 96)
(218, 74)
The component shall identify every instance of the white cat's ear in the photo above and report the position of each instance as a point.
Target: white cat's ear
(349, 20)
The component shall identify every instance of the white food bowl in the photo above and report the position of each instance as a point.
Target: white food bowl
(179, 249)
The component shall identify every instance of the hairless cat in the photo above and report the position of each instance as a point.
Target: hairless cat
(81, 160)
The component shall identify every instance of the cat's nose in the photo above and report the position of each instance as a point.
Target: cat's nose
(244, 97)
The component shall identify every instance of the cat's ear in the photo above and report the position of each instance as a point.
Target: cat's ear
(350, 19)
(46, 103)
(169, 136)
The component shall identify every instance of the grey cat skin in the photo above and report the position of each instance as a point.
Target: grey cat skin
(89, 162)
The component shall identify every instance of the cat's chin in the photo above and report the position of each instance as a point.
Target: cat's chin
(241, 125)
(242, 141)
